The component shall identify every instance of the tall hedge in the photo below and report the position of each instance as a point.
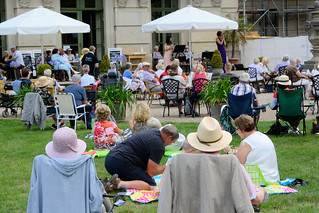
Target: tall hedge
(105, 64)
(217, 61)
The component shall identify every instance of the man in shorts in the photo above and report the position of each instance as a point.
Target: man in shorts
(136, 160)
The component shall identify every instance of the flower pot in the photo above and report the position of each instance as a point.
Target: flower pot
(233, 60)
(116, 114)
(217, 71)
(215, 111)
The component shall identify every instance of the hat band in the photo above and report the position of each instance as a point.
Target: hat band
(283, 80)
(207, 142)
(70, 147)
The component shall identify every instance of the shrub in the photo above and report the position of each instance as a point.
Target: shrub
(105, 64)
(217, 61)
(43, 67)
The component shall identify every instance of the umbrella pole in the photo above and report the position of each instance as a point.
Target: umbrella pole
(42, 55)
(190, 50)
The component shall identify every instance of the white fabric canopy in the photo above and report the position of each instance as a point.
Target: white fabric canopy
(42, 21)
(189, 19)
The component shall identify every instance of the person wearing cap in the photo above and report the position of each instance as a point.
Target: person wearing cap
(255, 148)
(160, 69)
(284, 83)
(182, 85)
(136, 160)
(80, 98)
(48, 100)
(65, 181)
(151, 78)
(69, 54)
(86, 79)
(91, 59)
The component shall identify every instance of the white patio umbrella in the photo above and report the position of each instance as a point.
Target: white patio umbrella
(189, 19)
(42, 21)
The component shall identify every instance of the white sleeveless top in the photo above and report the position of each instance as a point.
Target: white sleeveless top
(263, 153)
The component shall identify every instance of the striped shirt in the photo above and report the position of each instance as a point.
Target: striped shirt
(243, 89)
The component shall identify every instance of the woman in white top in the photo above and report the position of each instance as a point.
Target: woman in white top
(256, 148)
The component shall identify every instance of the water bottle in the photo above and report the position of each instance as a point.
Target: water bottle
(142, 49)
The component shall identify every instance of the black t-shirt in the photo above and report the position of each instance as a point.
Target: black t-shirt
(91, 60)
(139, 148)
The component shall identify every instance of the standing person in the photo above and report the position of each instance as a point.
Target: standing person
(17, 57)
(220, 41)
(156, 56)
(136, 160)
(92, 61)
(169, 47)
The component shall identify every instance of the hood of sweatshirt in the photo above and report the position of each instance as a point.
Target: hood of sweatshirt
(69, 166)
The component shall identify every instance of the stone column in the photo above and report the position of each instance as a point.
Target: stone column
(312, 27)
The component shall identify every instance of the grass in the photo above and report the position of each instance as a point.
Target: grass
(297, 158)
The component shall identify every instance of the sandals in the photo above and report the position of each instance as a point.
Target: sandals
(112, 183)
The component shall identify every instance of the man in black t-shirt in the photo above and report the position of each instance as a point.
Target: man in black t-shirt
(136, 160)
(91, 60)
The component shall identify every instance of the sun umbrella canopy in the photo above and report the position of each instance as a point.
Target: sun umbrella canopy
(189, 19)
(42, 21)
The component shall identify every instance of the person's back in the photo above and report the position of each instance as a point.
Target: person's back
(78, 92)
(227, 75)
(139, 148)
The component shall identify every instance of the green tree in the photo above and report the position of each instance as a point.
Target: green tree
(105, 64)
(217, 61)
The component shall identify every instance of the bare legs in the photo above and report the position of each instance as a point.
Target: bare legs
(136, 184)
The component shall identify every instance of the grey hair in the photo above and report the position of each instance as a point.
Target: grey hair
(170, 130)
(91, 48)
(256, 61)
(76, 78)
(113, 65)
(140, 65)
(86, 68)
(128, 65)
(298, 60)
(186, 146)
(156, 47)
(47, 72)
(292, 61)
(285, 58)
(154, 123)
(265, 59)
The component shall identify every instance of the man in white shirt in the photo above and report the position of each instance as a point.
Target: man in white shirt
(87, 79)
(17, 56)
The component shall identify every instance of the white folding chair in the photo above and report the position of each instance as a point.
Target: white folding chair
(67, 109)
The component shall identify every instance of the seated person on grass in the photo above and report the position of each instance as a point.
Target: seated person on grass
(141, 115)
(105, 132)
(136, 160)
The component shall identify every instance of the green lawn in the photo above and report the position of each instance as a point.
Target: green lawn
(297, 158)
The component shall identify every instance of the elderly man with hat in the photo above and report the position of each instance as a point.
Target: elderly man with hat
(151, 78)
(65, 180)
(48, 100)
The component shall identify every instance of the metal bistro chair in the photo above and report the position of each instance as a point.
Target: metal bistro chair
(66, 108)
(170, 87)
(252, 72)
(315, 86)
(198, 85)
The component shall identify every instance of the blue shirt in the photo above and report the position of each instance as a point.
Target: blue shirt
(78, 92)
(127, 74)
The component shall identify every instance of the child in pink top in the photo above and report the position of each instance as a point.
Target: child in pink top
(105, 132)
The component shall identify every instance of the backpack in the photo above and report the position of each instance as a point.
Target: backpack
(277, 129)
(188, 109)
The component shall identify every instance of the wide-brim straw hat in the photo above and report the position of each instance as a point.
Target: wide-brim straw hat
(42, 81)
(65, 144)
(146, 64)
(209, 136)
(160, 66)
(284, 80)
(244, 77)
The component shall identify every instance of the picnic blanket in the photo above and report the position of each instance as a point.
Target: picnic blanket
(99, 154)
(145, 196)
(276, 188)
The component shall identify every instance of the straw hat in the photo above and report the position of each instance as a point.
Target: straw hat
(209, 136)
(65, 144)
(146, 64)
(176, 61)
(284, 80)
(244, 77)
(160, 66)
(42, 81)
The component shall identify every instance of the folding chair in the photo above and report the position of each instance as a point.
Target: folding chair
(66, 108)
(170, 87)
(290, 107)
(151, 94)
(281, 70)
(198, 85)
(252, 72)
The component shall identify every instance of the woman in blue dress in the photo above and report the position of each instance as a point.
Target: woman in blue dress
(220, 41)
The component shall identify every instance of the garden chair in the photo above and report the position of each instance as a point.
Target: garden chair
(290, 108)
(66, 108)
(170, 87)
(151, 94)
(252, 71)
(198, 85)
(315, 89)
(204, 183)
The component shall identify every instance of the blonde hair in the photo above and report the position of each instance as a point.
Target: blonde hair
(228, 66)
(142, 112)
(199, 68)
(102, 112)
(84, 50)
